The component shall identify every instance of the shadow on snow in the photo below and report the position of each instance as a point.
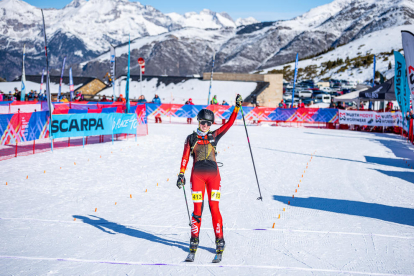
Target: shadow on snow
(387, 213)
(113, 228)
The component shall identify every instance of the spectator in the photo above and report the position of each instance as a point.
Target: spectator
(282, 104)
(35, 96)
(122, 99)
(64, 100)
(1, 96)
(389, 107)
(31, 95)
(361, 106)
(340, 106)
(104, 99)
(189, 102)
(214, 100)
(332, 104)
(224, 103)
(10, 98)
(141, 99)
(112, 98)
(301, 104)
(156, 99)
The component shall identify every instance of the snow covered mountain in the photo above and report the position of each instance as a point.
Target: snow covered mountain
(84, 29)
(266, 45)
(175, 44)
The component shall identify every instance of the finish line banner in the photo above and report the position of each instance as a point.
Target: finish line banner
(367, 118)
(89, 124)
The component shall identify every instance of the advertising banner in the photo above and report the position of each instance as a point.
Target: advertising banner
(408, 45)
(367, 118)
(89, 124)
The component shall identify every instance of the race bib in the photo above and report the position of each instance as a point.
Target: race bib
(197, 196)
(215, 195)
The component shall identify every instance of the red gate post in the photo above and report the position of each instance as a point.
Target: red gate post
(34, 146)
(68, 142)
(16, 150)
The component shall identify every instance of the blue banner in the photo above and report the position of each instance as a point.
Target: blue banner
(402, 92)
(89, 124)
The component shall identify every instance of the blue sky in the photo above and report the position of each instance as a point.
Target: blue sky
(262, 10)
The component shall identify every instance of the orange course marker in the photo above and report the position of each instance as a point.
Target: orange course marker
(284, 209)
(100, 156)
(74, 219)
(278, 216)
(146, 190)
(157, 184)
(115, 203)
(75, 162)
(273, 225)
(130, 196)
(168, 179)
(44, 172)
(296, 190)
(6, 183)
(27, 177)
(60, 167)
(96, 209)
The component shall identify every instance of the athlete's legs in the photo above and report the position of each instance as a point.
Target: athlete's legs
(214, 194)
(197, 194)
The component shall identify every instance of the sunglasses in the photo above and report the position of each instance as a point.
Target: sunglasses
(205, 123)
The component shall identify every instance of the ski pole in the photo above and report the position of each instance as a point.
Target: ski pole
(254, 167)
(188, 212)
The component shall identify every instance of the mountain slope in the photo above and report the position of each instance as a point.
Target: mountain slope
(183, 44)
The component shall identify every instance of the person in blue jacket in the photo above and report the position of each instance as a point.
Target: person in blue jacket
(156, 99)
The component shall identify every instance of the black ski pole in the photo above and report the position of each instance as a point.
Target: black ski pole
(254, 167)
(188, 212)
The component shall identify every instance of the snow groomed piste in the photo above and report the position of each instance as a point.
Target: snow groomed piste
(334, 202)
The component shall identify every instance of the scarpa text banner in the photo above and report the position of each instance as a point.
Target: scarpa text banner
(89, 124)
(366, 118)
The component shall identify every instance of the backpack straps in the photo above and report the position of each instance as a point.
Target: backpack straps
(194, 139)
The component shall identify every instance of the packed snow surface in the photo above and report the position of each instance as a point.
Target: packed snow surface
(352, 214)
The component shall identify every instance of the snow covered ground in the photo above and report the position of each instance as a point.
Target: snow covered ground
(353, 211)
(179, 93)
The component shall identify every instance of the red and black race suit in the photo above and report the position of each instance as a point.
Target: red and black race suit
(205, 175)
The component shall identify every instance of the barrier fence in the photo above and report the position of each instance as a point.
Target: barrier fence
(28, 133)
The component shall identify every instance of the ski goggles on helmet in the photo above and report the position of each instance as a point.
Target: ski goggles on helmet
(209, 123)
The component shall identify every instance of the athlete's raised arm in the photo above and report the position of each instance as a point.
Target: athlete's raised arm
(224, 128)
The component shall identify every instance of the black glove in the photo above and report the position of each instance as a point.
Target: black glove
(181, 180)
(239, 100)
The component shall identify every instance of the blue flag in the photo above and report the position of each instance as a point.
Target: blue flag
(294, 78)
(402, 92)
(127, 83)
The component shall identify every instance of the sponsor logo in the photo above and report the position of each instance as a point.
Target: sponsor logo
(377, 118)
(77, 124)
(194, 227)
(342, 115)
(411, 75)
(218, 228)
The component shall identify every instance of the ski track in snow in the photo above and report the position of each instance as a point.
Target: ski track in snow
(352, 213)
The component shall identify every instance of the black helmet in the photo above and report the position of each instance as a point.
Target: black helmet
(205, 114)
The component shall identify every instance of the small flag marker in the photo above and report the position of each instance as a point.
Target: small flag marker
(44, 172)
(273, 225)
(284, 209)
(298, 185)
(115, 203)
(6, 183)
(168, 179)
(130, 196)
(278, 216)
(157, 184)
(146, 190)
(74, 163)
(27, 177)
(100, 156)
(60, 167)
(296, 190)
(74, 219)
(96, 209)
